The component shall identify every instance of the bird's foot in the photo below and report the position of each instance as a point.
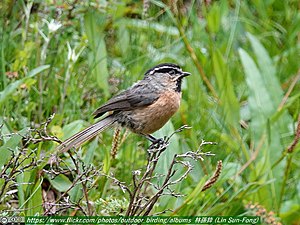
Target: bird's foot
(157, 142)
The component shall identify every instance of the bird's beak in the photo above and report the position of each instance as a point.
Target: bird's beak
(185, 74)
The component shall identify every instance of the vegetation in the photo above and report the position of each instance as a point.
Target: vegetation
(69, 57)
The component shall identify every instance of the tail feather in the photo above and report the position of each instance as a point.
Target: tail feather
(88, 133)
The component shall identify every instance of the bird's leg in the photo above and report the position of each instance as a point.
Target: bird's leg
(156, 142)
(153, 139)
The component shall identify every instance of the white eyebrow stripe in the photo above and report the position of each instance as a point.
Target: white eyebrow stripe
(165, 67)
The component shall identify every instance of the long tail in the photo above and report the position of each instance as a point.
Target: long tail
(88, 133)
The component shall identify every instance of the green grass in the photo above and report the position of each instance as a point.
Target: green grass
(244, 60)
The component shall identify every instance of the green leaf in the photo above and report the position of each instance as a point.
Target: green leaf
(271, 82)
(21, 194)
(268, 70)
(279, 114)
(191, 197)
(260, 101)
(37, 70)
(5, 150)
(290, 211)
(76, 193)
(90, 152)
(167, 156)
(60, 183)
(265, 94)
(214, 18)
(94, 24)
(9, 146)
(262, 109)
(106, 160)
(34, 202)
(72, 128)
(228, 101)
(123, 44)
(142, 25)
(9, 90)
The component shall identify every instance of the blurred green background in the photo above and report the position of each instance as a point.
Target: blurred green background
(69, 57)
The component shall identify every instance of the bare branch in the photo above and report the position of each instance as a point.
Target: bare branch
(140, 204)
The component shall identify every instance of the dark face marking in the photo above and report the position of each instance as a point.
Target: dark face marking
(178, 84)
(174, 71)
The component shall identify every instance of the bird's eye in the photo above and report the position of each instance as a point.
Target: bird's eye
(172, 72)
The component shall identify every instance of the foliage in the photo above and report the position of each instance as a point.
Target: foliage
(69, 57)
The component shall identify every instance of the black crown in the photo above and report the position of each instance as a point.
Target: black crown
(164, 68)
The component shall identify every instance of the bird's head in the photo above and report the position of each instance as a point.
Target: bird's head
(167, 74)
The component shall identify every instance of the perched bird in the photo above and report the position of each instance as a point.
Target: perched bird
(143, 108)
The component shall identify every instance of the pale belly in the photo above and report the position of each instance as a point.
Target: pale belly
(153, 117)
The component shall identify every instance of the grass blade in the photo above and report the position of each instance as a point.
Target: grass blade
(13, 86)
(94, 25)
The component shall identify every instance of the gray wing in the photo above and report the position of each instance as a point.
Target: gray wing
(141, 94)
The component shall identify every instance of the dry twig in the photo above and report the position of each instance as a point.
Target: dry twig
(140, 203)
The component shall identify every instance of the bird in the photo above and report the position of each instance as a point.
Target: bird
(143, 108)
